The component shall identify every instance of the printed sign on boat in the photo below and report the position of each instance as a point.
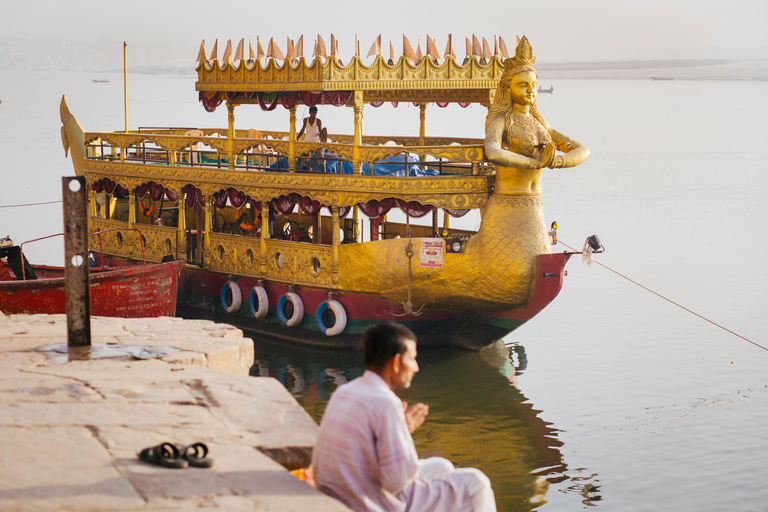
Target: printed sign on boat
(431, 252)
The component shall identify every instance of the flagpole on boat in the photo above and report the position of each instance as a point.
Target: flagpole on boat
(125, 83)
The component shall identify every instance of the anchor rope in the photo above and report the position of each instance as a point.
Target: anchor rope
(671, 301)
(408, 305)
(28, 204)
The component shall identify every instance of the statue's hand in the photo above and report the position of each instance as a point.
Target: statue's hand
(547, 155)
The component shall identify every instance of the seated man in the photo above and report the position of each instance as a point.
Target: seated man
(365, 456)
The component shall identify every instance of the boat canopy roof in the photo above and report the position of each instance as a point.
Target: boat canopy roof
(329, 81)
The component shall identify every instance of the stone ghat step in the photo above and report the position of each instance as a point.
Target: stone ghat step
(72, 427)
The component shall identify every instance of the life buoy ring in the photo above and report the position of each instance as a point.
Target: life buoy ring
(338, 311)
(245, 222)
(298, 309)
(149, 210)
(259, 302)
(237, 297)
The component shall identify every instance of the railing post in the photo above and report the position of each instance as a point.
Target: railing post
(231, 135)
(77, 293)
(181, 225)
(357, 141)
(336, 243)
(292, 140)
(356, 222)
(131, 208)
(208, 227)
(264, 235)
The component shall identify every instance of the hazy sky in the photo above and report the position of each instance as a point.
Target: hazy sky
(558, 29)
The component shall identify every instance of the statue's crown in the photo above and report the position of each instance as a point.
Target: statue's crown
(523, 55)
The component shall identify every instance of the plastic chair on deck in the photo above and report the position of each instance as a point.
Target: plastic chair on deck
(194, 149)
(261, 159)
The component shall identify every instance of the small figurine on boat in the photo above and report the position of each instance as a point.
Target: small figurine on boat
(326, 256)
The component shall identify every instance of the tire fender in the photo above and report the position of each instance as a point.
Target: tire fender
(259, 302)
(237, 297)
(298, 309)
(338, 311)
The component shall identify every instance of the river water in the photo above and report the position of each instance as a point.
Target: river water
(612, 397)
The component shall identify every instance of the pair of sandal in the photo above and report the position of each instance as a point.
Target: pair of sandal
(170, 456)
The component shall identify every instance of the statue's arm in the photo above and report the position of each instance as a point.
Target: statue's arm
(500, 156)
(574, 151)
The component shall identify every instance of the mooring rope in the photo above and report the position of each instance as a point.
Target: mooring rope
(29, 204)
(671, 301)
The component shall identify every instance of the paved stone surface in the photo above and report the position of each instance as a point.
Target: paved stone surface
(71, 428)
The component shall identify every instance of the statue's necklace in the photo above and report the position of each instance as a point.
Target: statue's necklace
(526, 121)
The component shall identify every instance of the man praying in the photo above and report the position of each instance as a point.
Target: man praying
(365, 455)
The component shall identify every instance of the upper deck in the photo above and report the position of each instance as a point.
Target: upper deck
(426, 81)
(342, 170)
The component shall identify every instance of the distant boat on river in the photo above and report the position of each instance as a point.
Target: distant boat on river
(105, 81)
(550, 90)
(661, 78)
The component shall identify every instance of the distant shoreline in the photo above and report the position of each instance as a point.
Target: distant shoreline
(703, 69)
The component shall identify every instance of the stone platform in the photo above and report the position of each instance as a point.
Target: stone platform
(70, 428)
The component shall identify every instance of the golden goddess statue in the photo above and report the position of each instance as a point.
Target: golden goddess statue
(518, 141)
(497, 270)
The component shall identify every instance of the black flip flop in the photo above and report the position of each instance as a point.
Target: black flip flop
(166, 455)
(195, 454)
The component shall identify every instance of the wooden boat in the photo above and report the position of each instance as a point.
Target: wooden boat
(661, 78)
(542, 90)
(130, 291)
(199, 195)
(104, 81)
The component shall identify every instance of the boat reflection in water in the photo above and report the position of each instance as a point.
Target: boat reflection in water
(478, 415)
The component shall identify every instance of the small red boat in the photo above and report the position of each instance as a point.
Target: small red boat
(129, 292)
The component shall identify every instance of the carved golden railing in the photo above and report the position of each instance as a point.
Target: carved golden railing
(450, 192)
(178, 148)
(159, 241)
(279, 260)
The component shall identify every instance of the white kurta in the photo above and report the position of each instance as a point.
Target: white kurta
(365, 457)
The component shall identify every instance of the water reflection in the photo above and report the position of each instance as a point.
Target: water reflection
(479, 417)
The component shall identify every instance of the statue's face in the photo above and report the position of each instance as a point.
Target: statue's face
(523, 88)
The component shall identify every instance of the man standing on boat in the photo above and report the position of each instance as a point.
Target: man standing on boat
(313, 126)
(365, 456)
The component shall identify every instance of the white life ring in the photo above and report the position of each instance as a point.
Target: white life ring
(298, 309)
(338, 311)
(259, 302)
(237, 297)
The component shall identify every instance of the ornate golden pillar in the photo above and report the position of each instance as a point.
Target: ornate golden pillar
(446, 219)
(208, 225)
(231, 135)
(264, 235)
(422, 123)
(317, 234)
(181, 221)
(131, 208)
(92, 197)
(292, 141)
(336, 243)
(356, 223)
(357, 141)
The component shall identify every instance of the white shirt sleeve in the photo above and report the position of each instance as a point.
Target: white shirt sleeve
(395, 451)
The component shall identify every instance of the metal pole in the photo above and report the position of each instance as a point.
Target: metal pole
(125, 83)
(78, 297)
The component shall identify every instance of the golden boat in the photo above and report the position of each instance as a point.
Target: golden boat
(311, 274)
